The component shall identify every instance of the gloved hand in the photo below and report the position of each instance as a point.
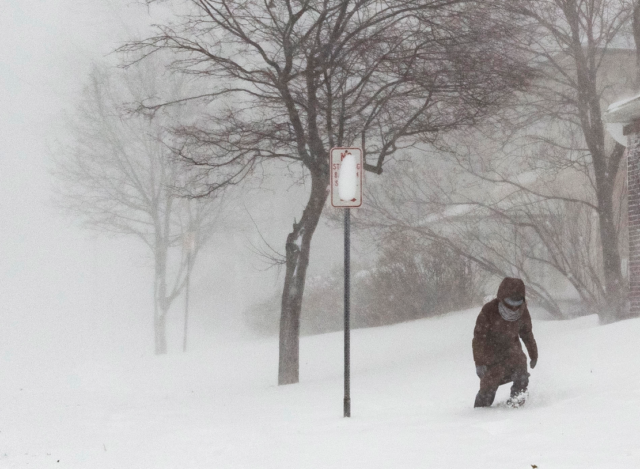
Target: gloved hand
(533, 363)
(481, 370)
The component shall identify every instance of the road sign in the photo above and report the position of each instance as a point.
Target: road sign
(354, 186)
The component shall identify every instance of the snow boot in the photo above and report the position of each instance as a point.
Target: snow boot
(517, 400)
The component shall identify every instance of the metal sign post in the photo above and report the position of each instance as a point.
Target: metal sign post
(346, 192)
(347, 325)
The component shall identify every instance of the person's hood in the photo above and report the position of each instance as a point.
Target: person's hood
(510, 286)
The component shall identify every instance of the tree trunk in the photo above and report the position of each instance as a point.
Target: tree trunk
(615, 295)
(160, 327)
(161, 305)
(636, 37)
(297, 260)
(605, 171)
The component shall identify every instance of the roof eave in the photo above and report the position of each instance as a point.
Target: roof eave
(625, 112)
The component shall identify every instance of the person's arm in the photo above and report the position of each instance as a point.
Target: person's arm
(526, 333)
(479, 342)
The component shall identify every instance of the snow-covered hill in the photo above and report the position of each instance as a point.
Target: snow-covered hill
(413, 387)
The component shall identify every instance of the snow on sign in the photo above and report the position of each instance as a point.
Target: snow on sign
(346, 177)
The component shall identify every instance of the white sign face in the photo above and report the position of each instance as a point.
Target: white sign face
(347, 167)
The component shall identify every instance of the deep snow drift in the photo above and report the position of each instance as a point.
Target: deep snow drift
(413, 387)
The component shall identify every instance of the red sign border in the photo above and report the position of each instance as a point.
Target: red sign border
(361, 176)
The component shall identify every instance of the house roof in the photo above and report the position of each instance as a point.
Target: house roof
(624, 110)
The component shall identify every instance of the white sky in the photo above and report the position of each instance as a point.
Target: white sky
(49, 275)
(56, 281)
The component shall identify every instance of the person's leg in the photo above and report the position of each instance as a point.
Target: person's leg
(519, 375)
(485, 397)
(489, 385)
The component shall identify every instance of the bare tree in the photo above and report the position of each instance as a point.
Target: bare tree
(538, 186)
(503, 232)
(579, 35)
(543, 183)
(119, 176)
(297, 77)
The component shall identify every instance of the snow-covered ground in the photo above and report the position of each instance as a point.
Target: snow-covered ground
(413, 387)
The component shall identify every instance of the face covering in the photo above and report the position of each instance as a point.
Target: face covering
(509, 314)
(513, 302)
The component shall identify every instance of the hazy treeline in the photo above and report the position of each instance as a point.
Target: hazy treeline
(538, 189)
(410, 279)
(482, 121)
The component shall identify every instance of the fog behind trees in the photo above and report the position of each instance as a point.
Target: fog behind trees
(66, 290)
(82, 386)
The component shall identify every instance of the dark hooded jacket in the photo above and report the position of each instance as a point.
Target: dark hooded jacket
(494, 338)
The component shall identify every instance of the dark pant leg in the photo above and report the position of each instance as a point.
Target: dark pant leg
(489, 385)
(518, 374)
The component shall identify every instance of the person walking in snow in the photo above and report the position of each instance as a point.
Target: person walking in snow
(497, 351)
